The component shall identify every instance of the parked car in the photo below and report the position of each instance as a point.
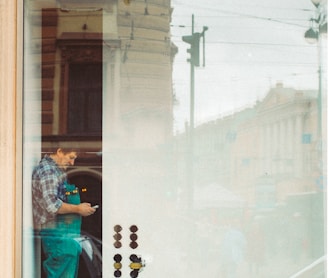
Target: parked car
(91, 257)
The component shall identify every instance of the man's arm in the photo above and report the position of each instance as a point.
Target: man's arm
(83, 209)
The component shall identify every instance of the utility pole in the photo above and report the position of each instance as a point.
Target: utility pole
(193, 40)
(315, 35)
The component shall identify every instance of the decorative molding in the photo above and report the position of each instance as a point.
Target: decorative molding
(86, 5)
(81, 53)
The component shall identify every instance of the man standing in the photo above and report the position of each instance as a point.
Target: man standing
(56, 214)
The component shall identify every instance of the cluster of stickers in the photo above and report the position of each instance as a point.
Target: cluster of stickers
(136, 263)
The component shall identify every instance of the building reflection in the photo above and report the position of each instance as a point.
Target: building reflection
(261, 166)
(102, 71)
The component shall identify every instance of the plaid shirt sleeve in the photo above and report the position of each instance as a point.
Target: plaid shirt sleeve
(46, 179)
(49, 181)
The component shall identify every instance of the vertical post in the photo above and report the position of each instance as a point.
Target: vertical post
(319, 92)
(193, 40)
(205, 28)
(192, 84)
(190, 161)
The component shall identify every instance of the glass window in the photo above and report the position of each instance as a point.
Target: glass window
(196, 131)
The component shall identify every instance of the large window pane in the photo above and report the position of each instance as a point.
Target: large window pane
(200, 129)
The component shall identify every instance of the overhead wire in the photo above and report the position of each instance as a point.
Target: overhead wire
(229, 13)
(263, 45)
(240, 14)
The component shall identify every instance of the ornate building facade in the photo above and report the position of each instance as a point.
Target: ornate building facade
(99, 79)
(271, 146)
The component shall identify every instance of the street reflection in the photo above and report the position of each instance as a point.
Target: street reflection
(240, 195)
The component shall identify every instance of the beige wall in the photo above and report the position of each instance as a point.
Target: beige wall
(9, 166)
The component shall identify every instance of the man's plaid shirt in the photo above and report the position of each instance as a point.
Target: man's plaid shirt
(48, 190)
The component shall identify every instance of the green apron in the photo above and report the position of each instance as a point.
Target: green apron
(60, 242)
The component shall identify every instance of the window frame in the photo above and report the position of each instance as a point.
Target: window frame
(73, 53)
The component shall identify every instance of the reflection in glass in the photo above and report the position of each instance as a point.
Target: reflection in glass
(212, 168)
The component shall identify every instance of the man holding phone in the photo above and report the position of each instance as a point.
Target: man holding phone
(57, 213)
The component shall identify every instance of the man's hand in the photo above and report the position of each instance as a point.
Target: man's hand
(85, 209)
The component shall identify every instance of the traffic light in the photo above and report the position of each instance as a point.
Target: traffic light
(193, 40)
